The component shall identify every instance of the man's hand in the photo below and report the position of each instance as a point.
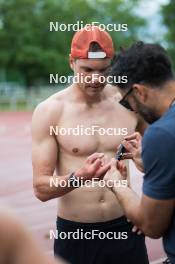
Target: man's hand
(94, 167)
(118, 173)
(135, 229)
(114, 176)
(133, 146)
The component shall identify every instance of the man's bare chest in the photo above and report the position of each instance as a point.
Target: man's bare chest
(84, 133)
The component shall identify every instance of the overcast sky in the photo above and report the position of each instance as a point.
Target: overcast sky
(151, 7)
(150, 10)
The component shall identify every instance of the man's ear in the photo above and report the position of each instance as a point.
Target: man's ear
(71, 62)
(140, 92)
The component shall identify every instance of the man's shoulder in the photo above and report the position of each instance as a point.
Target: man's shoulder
(164, 125)
(51, 108)
(53, 102)
(48, 113)
(114, 95)
(112, 91)
(158, 136)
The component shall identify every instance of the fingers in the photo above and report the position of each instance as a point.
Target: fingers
(94, 156)
(139, 232)
(105, 160)
(123, 169)
(129, 147)
(135, 229)
(135, 135)
(134, 143)
(96, 165)
(98, 170)
(102, 170)
(127, 156)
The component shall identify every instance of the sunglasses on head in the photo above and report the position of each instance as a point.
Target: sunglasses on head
(124, 102)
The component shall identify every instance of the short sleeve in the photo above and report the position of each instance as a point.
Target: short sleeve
(158, 154)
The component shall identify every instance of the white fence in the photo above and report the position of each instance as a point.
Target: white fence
(13, 97)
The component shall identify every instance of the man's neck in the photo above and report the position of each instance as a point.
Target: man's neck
(167, 98)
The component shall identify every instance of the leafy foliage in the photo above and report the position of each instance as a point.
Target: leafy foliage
(168, 12)
(29, 49)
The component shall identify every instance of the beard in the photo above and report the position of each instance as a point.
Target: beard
(148, 114)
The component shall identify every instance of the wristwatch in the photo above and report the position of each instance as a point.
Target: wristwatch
(74, 181)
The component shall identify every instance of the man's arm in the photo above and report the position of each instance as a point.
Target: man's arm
(154, 211)
(45, 156)
(152, 216)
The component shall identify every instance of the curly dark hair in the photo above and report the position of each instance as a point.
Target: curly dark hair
(147, 63)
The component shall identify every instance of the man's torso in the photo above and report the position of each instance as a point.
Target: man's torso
(89, 204)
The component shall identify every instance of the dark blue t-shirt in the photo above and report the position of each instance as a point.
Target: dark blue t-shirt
(158, 154)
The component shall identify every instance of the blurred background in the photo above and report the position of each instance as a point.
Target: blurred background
(29, 53)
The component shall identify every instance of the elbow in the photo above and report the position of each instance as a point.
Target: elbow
(38, 192)
(152, 231)
(40, 196)
(153, 234)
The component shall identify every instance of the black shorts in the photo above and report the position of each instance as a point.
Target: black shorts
(112, 242)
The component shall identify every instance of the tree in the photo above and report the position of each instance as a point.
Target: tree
(30, 49)
(168, 12)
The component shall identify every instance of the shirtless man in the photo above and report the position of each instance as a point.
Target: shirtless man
(86, 208)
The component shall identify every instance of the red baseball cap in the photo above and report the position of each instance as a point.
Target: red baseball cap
(82, 39)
